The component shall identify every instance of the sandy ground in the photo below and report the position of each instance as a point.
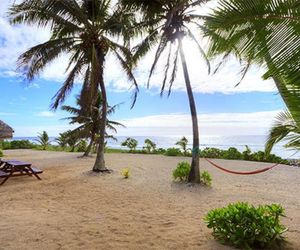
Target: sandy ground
(74, 209)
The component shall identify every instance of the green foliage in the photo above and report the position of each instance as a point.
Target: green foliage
(173, 152)
(82, 146)
(243, 225)
(183, 142)
(131, 143)
(62, 140)
(150, 146)
(16, 144)
(206, 178)
(232, 154)
(1, 153)
(182, 171)
(43, 140)
(211, 153)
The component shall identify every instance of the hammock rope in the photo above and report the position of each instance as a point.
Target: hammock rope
(242, 173)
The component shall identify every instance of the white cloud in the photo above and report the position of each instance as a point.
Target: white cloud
(256, 123)
(16, 39)
(7, 114)
(45, 114)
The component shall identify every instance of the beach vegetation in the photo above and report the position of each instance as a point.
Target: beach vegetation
(168, 24)
(62, 140)
(17, 144)
(43, 140)
(205, 178)
(183, 143)
(246, 226)
(131, 143)
(181, 172)
(82, 146)
(125, 172)
(87, 32)
(150, 146)
(1, 153)
(173, 152)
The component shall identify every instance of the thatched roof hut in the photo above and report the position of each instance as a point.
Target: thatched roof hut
(6, 132)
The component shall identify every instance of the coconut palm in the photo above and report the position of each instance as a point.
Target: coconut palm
(183, 142)
(90, 122)
(43, 140)
(284, 129)
(84, 30)
(150, 146)
(62, 140)
(264, 33)
(167, 24)
(131, 143)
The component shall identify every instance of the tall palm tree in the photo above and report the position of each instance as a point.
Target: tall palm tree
(265, 33)
(284, 129)
(183, 142)
(89, 122)
(167, 23)
(83, 29)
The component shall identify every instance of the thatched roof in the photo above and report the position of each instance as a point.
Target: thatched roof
(6, 131)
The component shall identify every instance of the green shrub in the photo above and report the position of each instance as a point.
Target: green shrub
(173, 152)
(1, 154)
(22, 144)
(243, 225)
(232, 154)
(182, 171)
(211, 153)
(82, 146)
(206, 178)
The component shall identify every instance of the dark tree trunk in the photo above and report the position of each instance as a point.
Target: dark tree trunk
(99, 165)
(88, 149)
(194, 175)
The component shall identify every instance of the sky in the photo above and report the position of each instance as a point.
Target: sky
(223, 109)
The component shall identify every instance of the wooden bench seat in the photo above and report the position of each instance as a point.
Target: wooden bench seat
(36, 170)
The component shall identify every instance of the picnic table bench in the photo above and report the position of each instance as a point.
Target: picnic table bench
(13, 168)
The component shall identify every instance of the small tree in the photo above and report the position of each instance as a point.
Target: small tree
(73, 140)
(150, 146)
(183, 142)
(43, 140)
(62, 140)
(130, 143)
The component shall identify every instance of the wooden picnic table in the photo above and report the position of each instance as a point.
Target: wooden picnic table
(13, 168)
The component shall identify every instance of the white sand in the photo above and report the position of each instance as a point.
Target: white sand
(74, 209)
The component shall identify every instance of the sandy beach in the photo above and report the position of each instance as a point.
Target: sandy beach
(72, 208)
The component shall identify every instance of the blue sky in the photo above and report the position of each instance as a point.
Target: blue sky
(223, 109)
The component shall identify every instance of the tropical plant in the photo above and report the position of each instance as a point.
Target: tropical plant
(90, 121)
(1, 153)
(43, 140)
(72, 139)
(150, 146)
(85, 30)
(205, 178)
(82, 146)
(167, 23)
(245, 226)
(173, 152)
(284, 129)
(183, 142)
(131, 143)
(265, 33)
(182, 171)
(62, 140)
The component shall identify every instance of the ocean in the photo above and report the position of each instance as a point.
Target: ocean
(255, 142)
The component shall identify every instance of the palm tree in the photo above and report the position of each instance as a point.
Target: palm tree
(131, 143)
(183, 142)
(62, 140)
(73, 139)
(285, 128)
(43, 140)
(167, 24)
(150, 146)
(83, 29)
(90, 122)
(264, 33)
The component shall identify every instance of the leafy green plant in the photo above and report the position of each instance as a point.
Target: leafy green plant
(182, 171)
(125, 172)
(1, 153)
(43, 140)
(183, 143)
(82, 145)
(206, 178)
(246, 226)
(173, 152)
(131, 143)
(150, 146)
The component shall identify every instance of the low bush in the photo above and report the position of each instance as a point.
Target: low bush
(182, 171)
(245, 226)
(206, 178)
(1, 154)
(21, 144)
(125, 172)
(173, 152)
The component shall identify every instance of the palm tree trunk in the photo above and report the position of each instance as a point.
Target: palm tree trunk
(88, 149)
(194, 175)
(99, 165)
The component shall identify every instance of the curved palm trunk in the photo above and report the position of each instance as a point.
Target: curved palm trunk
(99, 165)
(194, 175)
(89, 148)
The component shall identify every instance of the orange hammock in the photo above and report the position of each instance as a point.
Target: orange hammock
(242, 173)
